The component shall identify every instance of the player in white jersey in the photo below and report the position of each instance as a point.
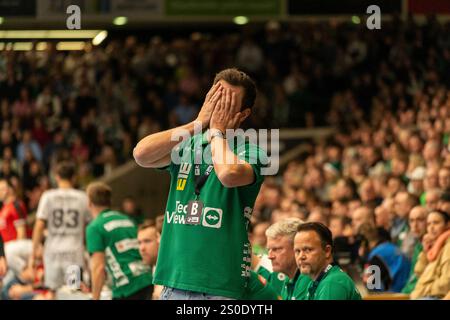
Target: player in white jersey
(65, 214)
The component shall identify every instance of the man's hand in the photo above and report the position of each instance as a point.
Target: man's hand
(211, 100)
(225, 115)
(427, 242)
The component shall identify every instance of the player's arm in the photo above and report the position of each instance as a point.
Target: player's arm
(230, 170)
(98, 274)
(154, 151)
(38, 233)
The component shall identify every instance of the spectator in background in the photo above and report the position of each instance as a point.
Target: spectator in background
(404, 202)
(444, 179)
(433, 267)
(185, 111)
(418, 228)
(368, 195)
(432, 198)
(360, 216)
(377, 250)
(28, 143)
(313, 247)
(384, 214)
(318, 215)
(415, 185)
(24, 106)
(131, 209)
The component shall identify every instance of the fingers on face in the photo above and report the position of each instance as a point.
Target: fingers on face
(233, 101)
(236, 118)
(222, 100)
(217, 95)
(213, 90)
(228, 100)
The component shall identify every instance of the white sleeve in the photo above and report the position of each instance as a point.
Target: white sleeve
(42, 210)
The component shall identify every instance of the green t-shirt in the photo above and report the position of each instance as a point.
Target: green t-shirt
(334, 285)
(296, 288)
(275, 279)
(213, 255)
(259, 289)
(412, 280)
(116, 235)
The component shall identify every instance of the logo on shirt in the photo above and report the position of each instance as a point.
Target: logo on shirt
(183, 174)
(126, 244)
(281, 277)
(212, 217)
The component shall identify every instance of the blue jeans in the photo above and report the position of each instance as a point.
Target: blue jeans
(177, 294)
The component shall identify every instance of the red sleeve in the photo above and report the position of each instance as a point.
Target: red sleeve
(14, 216)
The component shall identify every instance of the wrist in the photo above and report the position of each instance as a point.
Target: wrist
(215, 132)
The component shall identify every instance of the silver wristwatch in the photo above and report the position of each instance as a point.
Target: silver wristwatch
(216, 133)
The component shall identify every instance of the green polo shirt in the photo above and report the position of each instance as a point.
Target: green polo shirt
(213, 255)
(115, 234)
(260, 289)
(275, 279)
(296, 288)
(334, 285)
(412, 280)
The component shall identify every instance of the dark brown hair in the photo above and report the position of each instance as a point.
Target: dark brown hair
(326, 238)
(65, 170)
(238, 78)
(147, 224)
(99, 194)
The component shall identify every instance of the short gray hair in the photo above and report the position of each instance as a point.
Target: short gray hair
(286, 227)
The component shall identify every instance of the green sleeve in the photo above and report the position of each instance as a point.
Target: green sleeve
(263, 272)
(412, 280)
(256, 157)
(260, 289)
(94, 239)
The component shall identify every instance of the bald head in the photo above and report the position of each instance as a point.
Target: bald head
(404, 202)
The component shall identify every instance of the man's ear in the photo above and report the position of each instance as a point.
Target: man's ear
(245, 114)
(328, 251)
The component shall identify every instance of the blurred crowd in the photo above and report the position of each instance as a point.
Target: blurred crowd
(381, 183)
(383, 178)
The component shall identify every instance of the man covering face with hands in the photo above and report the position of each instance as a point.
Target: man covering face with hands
(204, 249)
